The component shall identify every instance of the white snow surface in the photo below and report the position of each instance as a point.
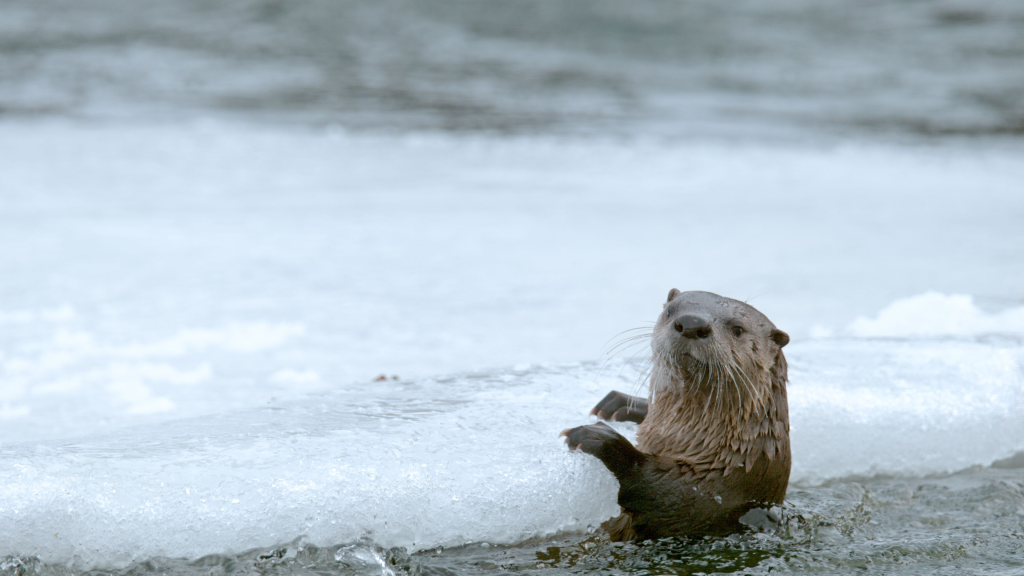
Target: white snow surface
(192, 318)
(935, 314)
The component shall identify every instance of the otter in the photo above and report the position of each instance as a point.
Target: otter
(713, 435)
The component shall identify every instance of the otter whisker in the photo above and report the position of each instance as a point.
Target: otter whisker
(645, 369)
(638, 382)
(647, 328)
(623, 346)
(628, 360)
(710, 391)
(729, 370)
(716, 372)
(705, 390)
(629, 330)
(626, 343)
(739, 378)
(736, 387)
(755, 396)
(724, 370)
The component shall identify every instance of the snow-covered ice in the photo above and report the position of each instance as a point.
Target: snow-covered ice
(192, 320)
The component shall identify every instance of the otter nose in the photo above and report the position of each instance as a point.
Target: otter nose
(693, 327)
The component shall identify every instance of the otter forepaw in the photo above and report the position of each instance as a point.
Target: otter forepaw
(606, 444)
(619, 407)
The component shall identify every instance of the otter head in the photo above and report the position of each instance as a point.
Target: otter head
(717, 347)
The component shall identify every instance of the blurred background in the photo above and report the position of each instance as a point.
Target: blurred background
(916, 69)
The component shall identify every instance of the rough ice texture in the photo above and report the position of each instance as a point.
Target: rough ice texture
(475, 457)
(424, 464)
(898, 407)
(191, 319)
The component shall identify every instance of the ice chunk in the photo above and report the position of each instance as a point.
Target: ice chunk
(470, 458)
(404, 467)
(935, 314)
(903, 407)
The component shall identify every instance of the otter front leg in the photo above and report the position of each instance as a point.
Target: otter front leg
(610, 447)
(656, 494)
(619, 407)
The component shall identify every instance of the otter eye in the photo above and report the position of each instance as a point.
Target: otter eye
(737, 331)
(670, 312)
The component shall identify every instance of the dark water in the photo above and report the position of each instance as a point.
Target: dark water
(966, 523)
(785, 68)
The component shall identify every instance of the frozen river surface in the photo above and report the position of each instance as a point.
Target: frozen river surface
(192, 319)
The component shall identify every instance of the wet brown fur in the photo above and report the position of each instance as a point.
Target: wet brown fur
(715, 439)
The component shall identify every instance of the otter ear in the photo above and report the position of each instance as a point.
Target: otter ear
(780, 337)
(672, 294)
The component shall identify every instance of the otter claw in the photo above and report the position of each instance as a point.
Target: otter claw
(606, 444)
(619, 407)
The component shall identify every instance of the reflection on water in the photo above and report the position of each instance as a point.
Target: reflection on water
(780, 68)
